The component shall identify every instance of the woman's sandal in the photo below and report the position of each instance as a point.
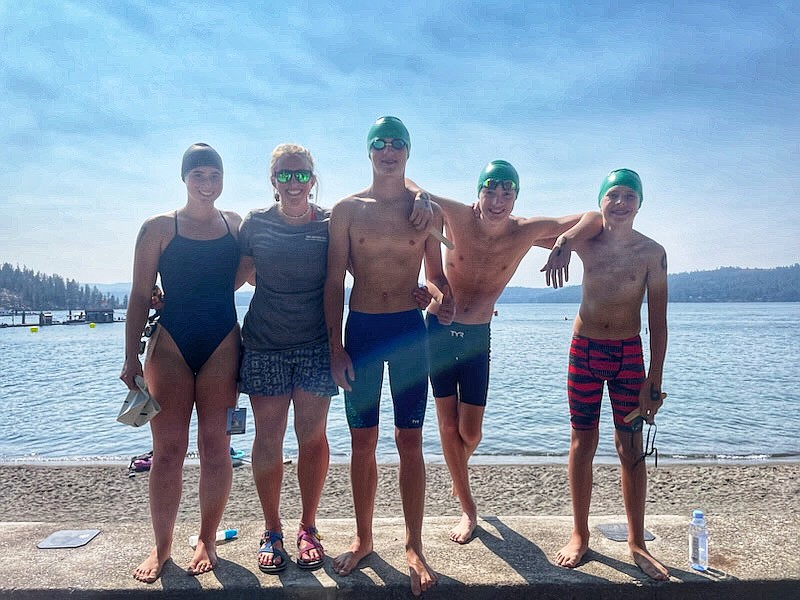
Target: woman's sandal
(268, 547)
(312, 538)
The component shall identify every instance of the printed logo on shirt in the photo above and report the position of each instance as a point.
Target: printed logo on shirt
(316, 238)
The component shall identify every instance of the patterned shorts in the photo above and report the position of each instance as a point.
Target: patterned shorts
(617, 363)
(278, 373)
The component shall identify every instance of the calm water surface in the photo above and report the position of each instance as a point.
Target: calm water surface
(731, 375)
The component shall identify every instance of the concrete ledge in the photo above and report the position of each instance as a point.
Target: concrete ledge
(509, 557)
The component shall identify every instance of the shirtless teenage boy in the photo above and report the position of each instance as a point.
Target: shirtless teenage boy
(488, 250)
(619, 266)
(371, 233)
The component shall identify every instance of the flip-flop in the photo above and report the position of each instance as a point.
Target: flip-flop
(268, 546)
(311, 536)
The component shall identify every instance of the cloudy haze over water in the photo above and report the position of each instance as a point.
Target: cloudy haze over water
(100, 99)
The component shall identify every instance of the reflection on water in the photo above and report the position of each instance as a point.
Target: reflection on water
(731, 375)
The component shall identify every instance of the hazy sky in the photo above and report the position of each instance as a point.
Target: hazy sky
(100, 99)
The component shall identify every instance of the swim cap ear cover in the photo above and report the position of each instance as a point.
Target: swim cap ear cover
(388, 127)
(498, 169)
(621, 177)
(200, 155)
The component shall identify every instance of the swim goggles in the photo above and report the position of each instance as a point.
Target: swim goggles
(396, 143)
(301, 175)
(507, 184)
(139, 406)
(650, 443)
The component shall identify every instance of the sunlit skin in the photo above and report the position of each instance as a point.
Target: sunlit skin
(496, 205)
(388, 161)
(212, 391)
(204, 184)
(271, 412)
(620, 266)
(293, 194)
(372, 235)
(489, 246)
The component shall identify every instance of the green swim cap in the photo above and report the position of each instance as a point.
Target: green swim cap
(388, 127)
(498, 169)
(200, 155)
(621, 177)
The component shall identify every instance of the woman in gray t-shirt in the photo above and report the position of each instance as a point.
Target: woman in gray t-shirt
(284, 251)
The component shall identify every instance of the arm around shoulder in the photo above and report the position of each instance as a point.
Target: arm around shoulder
(562, 231)
(570, 231)
(451, 208)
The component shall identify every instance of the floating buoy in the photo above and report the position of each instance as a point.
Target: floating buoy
(34, 329)
(91, 325)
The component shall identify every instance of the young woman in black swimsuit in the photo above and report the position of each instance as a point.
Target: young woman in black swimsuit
(194, 363)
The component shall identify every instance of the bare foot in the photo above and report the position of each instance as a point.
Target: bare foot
(204, 559)
(150, 568)
(572, 554)
(346, 562)
(462, 533)
(422, 576)
(645, 561)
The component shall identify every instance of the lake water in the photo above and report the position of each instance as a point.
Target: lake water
(731, 374)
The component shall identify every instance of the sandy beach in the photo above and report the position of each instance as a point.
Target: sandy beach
(96, 493)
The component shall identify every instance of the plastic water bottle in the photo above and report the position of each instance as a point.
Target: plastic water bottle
(222, 535)
(698, 542)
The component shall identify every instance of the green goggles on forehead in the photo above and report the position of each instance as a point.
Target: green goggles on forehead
(507, 184)
(301, 176)
(396, 143)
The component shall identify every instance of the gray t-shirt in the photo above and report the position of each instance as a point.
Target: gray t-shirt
(291, 261)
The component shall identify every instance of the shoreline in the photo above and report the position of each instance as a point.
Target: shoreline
(96, 493)
(491, 461)
(430, 460)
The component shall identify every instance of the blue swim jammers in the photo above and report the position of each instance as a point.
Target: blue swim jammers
(459, 360)
(399, 339)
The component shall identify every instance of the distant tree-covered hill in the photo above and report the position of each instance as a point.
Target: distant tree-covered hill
(24, 289)
(726, 284)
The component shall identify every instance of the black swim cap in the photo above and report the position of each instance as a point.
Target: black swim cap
(200, 155)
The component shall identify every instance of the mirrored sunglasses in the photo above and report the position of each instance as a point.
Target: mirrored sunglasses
(301, 176)
(396, 143)
(507, 184)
